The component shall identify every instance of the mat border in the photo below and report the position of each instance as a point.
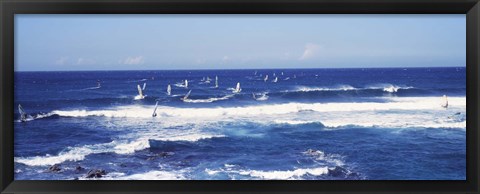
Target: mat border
(8, 8)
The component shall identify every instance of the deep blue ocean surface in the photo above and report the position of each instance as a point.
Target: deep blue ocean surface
(323, 124)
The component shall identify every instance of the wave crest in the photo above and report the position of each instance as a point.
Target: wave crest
(404, 103)
(119, 147)
(296, 174)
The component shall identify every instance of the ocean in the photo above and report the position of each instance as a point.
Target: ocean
(311, 124)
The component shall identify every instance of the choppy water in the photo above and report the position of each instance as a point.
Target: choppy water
(379, 124)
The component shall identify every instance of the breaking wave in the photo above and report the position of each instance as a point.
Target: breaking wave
(296, 174)
(151, 175)
(314, 89)
(407, 103)
(118, 147)
(208, 100)
(390, 88)
(397, 112)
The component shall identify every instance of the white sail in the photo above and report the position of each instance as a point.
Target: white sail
(144, 86)
(23, 114)
(254, 97)
(169, 90)
(274, 75)
(155, 110)
(445, 101)
(187, 95)
(282, 72)
(216, 81)
(140, 91)
(266, 78)
(275, 80)
(186, 83)
(237, 89)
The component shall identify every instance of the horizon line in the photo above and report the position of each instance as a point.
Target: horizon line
(247, 69)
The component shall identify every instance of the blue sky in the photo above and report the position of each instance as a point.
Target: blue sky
(158, 42)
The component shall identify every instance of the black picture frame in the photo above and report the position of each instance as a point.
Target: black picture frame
(9, 8)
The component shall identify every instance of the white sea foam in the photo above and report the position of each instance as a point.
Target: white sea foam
(208, 100)
(181, 85)
(131, 147)
(193, 137)
(327, 162)
(384, 87)
(407, 103)
(296, 174)
(283, 175)
(118, 147)
(74, 154)
(151, 175)
(261, 96)
(319, 155)
(314, 89)
(396, 112)
(385, 121)
(132, 81)
(388, 87)
(92, 88)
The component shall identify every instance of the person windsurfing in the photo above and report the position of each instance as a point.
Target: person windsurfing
(23, 114)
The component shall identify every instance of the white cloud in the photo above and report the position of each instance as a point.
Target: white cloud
(225, 58)
(200, 61)
(61, 61)
(311, 50)
(83, 61)
(80, 60)
(133, 60)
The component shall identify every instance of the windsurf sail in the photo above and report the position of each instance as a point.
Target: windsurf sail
(254, 97)
(98, 84)
(144, 85)
(187, 95)
(169, 90)
(140, 91)
(266, 78)
(155, 110)
(23, 114)
(445, 101)
(186, 83)
(216, 81)
(237, 89)
(275, 80)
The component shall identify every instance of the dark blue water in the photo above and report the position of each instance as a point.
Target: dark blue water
(322, 124)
